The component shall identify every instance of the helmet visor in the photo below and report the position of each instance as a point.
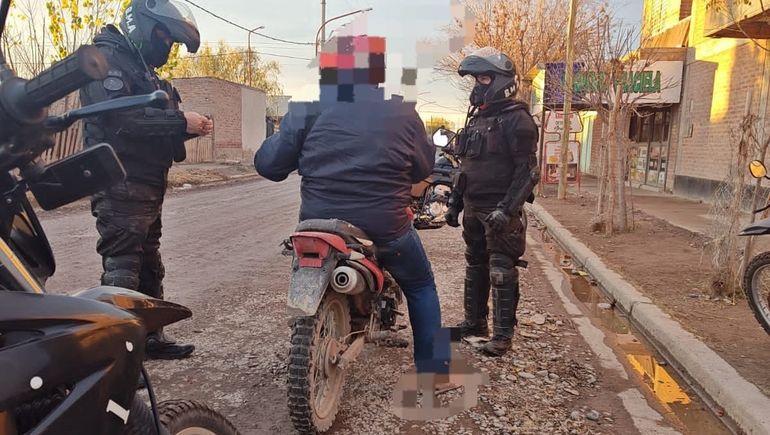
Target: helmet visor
(173, 9)
(179, 21)
(494, 57)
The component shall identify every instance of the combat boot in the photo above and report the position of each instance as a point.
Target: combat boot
(505, 298)
(476, 302)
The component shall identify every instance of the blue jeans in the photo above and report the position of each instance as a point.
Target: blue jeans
(407, 262)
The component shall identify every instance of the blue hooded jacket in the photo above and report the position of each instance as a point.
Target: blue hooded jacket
(357, 160)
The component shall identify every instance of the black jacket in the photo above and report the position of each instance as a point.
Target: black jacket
(358, 162)
(499, 156)
(147, 141)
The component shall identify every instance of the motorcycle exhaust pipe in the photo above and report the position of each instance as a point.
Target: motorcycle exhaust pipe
(348, 281)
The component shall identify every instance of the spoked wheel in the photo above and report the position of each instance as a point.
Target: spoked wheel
(315, 379)
(756, 284)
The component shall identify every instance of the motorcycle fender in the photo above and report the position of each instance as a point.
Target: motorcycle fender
(759, 228)
(154, 313)
(308, 286)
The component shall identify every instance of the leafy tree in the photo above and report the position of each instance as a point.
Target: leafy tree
(229, 63)
(437, 121)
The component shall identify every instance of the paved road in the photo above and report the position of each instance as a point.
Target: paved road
(221, 249)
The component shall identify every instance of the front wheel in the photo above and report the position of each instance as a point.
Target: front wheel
(315, 379)
(756, 285)
(186, 417)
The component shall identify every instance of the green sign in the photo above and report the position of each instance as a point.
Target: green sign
(633, 82)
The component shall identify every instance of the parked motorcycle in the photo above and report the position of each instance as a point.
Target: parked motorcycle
(71, 364)
(430, 197)
(756, 278)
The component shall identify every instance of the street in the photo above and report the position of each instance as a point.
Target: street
(222, 256)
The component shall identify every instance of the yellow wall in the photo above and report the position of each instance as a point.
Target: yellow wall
(660, 15)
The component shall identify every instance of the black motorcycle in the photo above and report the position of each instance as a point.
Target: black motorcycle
(430, 197)
(756, 277)
(71, 364)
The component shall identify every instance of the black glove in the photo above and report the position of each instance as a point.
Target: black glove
(498, 221)
(452, 217)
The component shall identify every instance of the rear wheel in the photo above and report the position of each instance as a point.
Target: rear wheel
(315, 379)
(756, 284)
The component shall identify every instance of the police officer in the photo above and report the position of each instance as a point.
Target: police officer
(147, 141)
(499, 171)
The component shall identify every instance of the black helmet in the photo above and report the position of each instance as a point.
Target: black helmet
(490, 61)
(142, 17)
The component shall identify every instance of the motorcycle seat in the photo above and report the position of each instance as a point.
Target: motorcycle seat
(349, 232)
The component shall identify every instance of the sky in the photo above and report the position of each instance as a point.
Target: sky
(401, 22)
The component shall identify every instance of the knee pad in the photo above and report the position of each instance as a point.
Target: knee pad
(502, 270)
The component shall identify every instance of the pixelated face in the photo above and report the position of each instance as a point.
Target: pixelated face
(351, 68)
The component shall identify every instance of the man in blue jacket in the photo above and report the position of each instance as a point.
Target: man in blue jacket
(358, 156)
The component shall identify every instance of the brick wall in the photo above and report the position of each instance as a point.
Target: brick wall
(717, 86)
(220, 99)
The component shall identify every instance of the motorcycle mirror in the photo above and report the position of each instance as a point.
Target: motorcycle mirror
(757, 169)
(157, 99)
(442, 137)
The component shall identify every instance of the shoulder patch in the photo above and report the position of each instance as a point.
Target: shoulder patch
(115, 73)
(113, 83)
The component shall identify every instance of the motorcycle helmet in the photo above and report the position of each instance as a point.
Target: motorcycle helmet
(143, 19)
(490, 61)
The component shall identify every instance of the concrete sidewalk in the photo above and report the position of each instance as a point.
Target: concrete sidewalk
(684, 213)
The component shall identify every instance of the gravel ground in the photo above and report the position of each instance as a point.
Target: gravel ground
(223, 261)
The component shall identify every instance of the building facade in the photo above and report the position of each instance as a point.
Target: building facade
(239, 113)
(686, 143)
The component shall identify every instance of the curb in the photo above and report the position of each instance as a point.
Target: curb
(234, 178)
(740, 399)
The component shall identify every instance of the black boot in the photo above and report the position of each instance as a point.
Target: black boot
(476, 300)
(160, 347)
(505, 298)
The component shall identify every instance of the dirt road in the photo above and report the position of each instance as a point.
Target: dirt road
(222, 255)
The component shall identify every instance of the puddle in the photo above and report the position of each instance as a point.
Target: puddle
(682, 406)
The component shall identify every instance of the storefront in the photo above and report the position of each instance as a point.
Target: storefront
(652, 93)
(648, 153)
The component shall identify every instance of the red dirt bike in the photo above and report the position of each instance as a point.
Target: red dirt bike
(339, 298)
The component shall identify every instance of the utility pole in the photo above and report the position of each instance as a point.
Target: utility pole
(323, 22)
(249, 48)
(569, 65)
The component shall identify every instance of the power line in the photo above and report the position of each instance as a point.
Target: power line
(259, 53)
(192, 56)
(244, 28)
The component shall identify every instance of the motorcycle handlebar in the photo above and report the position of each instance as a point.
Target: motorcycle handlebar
(24, 101)
(61, 79)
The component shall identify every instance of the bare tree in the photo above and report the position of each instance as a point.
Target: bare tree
(610, 83)
(531, 32)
